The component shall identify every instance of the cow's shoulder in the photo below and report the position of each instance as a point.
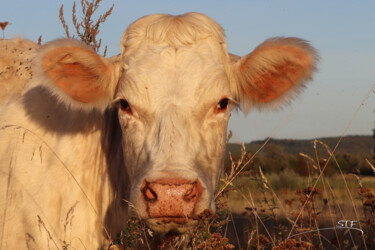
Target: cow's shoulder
(15, 65)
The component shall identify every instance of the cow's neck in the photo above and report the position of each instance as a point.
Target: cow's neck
(98, 135)
(111, 139)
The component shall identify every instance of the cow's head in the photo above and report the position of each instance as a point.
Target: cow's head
(174, 85)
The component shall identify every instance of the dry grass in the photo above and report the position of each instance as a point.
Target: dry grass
(40, 40)
(87, 29)
(300, 204)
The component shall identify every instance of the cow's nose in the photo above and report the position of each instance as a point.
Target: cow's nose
(171, 199)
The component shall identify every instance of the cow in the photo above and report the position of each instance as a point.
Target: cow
(15, 65)
(91, 141)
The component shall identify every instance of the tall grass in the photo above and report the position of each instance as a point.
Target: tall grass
(87, 30)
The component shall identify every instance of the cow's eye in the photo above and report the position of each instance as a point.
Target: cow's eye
(124, 105)
(222, 105)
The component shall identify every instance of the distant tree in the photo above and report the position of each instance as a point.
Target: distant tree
(342, 161)
(304, 167)
(3, 25)
(275, 159)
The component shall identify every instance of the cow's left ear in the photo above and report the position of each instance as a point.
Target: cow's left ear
(273, 73)
(76, 74)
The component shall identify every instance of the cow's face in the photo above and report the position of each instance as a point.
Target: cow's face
(174, 85)
(174, 108)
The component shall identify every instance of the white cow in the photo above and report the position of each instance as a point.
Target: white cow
(15, 65)
(92, 140)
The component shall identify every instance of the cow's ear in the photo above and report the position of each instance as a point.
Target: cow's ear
(273, 73)
(76, 74)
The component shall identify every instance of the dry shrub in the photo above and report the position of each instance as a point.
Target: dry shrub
(368, 199)
(260, 241)
(293, 244)
(87, 29)
(208, 235)
(216, 241)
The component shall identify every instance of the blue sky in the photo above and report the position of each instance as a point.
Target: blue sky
(342, 31)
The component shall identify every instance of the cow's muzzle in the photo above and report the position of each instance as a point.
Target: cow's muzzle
(171, 201)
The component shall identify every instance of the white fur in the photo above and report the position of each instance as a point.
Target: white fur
(67, 168)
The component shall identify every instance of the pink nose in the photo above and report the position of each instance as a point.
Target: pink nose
(171, 199)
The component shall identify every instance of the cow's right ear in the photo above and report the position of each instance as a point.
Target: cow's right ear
(76, 74)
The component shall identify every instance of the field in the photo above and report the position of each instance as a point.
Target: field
(282, 198)
(259, 210)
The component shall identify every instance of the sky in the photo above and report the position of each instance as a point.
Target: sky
(341, 30)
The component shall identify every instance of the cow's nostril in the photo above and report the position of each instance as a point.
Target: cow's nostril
(148, 193)
(194, 193)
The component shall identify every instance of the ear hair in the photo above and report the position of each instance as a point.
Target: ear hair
(274, 73)
(76, 74)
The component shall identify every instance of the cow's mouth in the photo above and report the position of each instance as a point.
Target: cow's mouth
(177, 220)
(169, 224)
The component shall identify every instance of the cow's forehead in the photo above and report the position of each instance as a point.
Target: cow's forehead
(157, 74)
